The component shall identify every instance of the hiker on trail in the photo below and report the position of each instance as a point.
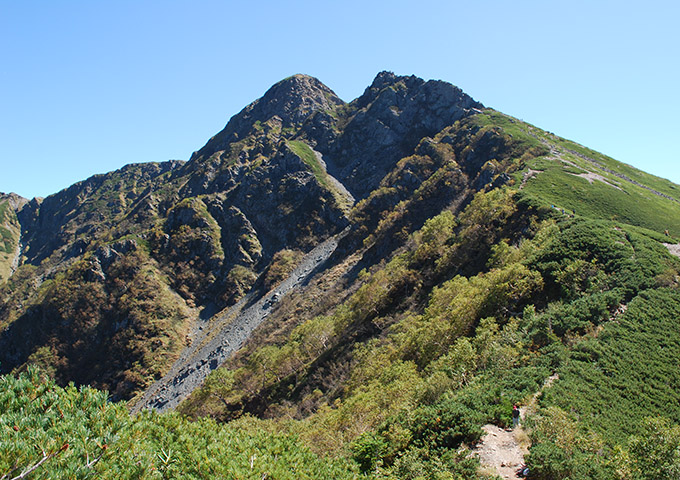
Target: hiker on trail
(515, 416)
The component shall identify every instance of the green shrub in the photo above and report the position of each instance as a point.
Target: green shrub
(78, 433)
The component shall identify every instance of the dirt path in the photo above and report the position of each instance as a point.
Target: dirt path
(225, 333)
(501, 452)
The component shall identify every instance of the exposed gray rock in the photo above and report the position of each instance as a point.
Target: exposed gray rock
(239, 239)
(393, 115)
(250, 192)
(50, 224)
(292, 101)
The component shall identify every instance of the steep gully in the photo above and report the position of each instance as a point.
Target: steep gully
(217, 338)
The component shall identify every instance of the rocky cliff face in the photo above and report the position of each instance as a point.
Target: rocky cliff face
(62, 225)
(388, 121)
(192, 238)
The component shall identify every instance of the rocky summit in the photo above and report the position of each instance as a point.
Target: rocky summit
(382, 279)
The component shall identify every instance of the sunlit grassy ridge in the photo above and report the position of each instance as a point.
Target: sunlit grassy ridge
(612, 192)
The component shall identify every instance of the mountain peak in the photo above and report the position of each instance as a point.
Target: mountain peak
(14, 200)
(299, 83)
(292, 100)
(295, 98)
(383, 79)
(445, 92)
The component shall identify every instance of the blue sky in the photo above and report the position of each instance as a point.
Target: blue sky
(87, 87)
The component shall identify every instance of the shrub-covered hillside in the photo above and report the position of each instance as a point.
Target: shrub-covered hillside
(53, 432)
(397, 381)
(430, 347)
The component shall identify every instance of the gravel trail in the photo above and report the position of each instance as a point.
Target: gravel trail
(501, 451)
(217, 338)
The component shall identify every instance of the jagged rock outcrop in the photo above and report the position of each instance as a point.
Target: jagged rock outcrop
(391, 118)
(88, 209)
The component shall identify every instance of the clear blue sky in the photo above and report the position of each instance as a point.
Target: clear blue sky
(87, 87)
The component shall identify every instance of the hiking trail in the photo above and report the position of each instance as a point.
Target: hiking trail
(501, 451)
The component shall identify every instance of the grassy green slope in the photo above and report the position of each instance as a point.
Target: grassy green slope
(305, 152)
(601, 383)
(426, 356)
(613, 191)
